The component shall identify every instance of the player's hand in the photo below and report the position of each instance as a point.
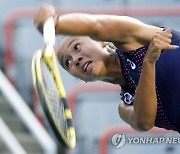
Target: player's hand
(42, 14)
(159, 44)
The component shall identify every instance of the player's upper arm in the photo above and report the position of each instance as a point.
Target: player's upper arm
(120, 28)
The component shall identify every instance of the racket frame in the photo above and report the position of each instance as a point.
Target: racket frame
(49, 57)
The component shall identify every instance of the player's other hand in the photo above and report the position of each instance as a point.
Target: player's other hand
(42, 14)
(159, 44)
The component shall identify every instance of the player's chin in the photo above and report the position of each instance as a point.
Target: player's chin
(88, 77)
(91, 75)
(94, 75)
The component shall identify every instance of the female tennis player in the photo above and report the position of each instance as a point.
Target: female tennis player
(143, 59)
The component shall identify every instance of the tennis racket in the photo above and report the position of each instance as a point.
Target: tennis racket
(50, 90)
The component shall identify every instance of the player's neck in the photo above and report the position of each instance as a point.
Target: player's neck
(113, 70)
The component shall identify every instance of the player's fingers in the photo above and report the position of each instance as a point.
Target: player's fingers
(42, 14)
(161, 44)
(174, 46)
(163, 38)
(168, 30)
(170, 47)
(167, 33)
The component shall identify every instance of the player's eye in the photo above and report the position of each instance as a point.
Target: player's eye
(68, 62)
(76, 46)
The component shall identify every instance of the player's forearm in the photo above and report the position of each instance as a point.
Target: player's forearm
(77, 24)
(145, 103)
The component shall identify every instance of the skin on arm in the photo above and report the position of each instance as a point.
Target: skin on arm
(126, 112)
(118, 29)
(102, 27)
(141, 116)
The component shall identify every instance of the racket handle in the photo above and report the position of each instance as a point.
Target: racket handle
(49, 32)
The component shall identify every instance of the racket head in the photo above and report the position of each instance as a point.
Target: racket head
(54, 106)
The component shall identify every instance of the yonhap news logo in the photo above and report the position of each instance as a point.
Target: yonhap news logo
(118, 140)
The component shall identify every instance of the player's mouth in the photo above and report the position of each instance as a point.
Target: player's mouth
(86, 65)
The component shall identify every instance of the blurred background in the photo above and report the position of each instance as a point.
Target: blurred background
(23, 128)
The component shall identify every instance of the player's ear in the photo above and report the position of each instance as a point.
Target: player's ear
(104, 44)
(110, 44)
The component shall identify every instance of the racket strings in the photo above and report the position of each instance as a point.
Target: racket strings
(55, 105)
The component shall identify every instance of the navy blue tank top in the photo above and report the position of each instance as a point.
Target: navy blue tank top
(167, 82)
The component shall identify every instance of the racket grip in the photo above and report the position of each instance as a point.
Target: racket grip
(49, 31)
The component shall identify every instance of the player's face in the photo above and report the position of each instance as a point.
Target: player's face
(83, 57)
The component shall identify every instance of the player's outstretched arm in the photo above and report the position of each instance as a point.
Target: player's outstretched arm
(110, 28)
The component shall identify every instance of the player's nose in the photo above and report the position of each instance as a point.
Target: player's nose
(77, 61)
